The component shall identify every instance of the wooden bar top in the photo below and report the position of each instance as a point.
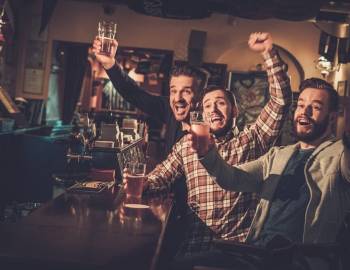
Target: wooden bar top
(87, 231)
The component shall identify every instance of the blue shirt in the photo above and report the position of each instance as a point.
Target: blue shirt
(287, 212)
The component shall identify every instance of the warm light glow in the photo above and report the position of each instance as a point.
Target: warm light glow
(325, 66)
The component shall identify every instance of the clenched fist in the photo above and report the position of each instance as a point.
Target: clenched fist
(260, 42)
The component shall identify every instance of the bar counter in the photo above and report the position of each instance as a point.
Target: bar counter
(87, 231)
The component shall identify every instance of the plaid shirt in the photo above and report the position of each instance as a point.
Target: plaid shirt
(214, 211)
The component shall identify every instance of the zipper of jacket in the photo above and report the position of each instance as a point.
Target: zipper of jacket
(309, 187)
(253, 222)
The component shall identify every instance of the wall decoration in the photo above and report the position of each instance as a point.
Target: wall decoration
(251, 92)
(33, 81)
(342, 88)
(342, 92)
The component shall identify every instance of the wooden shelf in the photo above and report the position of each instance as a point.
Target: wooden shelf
(121, 112)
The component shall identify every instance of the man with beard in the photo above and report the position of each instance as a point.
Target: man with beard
(213, 212)
(304, 188)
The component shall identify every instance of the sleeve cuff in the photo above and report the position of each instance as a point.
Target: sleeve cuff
(270, 54)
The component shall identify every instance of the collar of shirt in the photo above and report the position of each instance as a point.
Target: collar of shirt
(223, 139)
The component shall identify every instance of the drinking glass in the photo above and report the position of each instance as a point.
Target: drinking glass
(136, 176)
(106, 34)
(199, 129)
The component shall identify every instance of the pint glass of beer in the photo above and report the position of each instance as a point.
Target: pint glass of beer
(136, 176)
(199, 129)
(106, 34)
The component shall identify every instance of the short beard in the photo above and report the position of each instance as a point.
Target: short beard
(317, 132)
(223, 131)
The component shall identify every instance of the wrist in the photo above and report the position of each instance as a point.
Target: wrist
(205, 150)
(269, 52)
(109, 65)
(268, 49)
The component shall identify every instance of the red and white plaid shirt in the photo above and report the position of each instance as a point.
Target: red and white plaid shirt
(216, 212)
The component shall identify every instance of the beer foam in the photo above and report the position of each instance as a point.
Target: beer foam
(136, 205)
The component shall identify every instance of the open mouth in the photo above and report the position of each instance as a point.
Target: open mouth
(180, 107)
(305, 122)
(216, 119)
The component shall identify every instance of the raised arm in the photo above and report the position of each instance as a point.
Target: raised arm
(156, 106)
(267, 127)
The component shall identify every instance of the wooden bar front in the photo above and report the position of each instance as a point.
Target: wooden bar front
(87, 231)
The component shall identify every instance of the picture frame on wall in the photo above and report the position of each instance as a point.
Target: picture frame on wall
(342, 88)
(218, 73)
(251, 92)
(342, 92)
(33, 81)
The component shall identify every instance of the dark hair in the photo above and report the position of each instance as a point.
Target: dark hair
(322, 85)
(200, 77)
(228, 94)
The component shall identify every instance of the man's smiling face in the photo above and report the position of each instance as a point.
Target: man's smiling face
(181, 96)
(218, 110)
(311, 117)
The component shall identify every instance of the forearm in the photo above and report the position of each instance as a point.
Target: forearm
(156, 183)
(166, 172)
(279, 83)
(245, 178)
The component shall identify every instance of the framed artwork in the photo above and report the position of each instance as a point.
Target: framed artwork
(342, 88)
(251, 92)
(33, 81)
(342, 92)
(217, 73)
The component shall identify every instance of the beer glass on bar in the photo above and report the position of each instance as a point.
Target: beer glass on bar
(199, 129)
(136, 176)
(106, 34)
